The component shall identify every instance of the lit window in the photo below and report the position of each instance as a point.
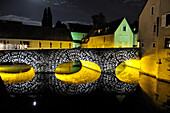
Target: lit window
(167, 43)
(143, 45)
(99, 31)
(27, 43)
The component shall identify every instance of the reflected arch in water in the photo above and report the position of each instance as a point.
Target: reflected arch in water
(128, 71)
(88, 73)
(13, 73)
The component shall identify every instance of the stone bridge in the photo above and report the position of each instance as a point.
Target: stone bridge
(46, 61)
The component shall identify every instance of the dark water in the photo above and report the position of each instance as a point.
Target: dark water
(98, 100)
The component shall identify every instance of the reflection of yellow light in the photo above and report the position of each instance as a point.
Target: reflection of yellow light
(128, 71)
(13, 78)
(89, 72)
(158, 91)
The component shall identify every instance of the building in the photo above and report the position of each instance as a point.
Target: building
(154, 33)
(15, 35)
(116, 34)
(78, 31)
(135, 30)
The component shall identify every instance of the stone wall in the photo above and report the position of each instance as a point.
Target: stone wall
(48, 60)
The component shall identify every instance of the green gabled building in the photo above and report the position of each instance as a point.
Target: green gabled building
(78, 31)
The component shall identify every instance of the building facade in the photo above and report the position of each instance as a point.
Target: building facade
(15, 36)
(116, 34)
(154, 33)
(78, 31)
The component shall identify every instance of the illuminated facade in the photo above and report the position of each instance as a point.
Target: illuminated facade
(116, 34)
(78, 31)
(154, 27)
(154, 35)
(15, 36)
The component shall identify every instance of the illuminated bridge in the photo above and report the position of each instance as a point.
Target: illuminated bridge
(46, 61)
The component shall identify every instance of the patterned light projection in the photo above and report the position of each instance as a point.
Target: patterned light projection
(128, 71)
(43, 61)
(88, 73)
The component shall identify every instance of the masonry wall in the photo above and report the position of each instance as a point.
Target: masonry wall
(48, 60)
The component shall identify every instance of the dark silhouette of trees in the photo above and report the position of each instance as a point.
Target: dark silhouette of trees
(99, 20)
(60, 25)
(47, 18)
(50, 23)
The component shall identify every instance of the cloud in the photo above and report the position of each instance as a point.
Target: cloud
(24, 20)
(59, 2)
(134, 2)
(84, 23)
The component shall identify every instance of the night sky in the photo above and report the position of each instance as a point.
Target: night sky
(31, 11)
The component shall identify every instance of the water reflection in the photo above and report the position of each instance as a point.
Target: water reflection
(68, 67)
(158, 91)
(48, 92)
(13, 73)
(88, 73)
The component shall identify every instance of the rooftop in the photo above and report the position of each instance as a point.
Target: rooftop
(16, 30)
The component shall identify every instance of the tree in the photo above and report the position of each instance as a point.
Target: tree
(98, 20)
(60, 25)
(44, 19)
(47, 18)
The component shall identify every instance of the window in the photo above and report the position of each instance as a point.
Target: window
(168, 20)
(40, 44)
(152, 9)
(26, 43)
(167, 43)
(157, 26)
(20, 42)
(60, 45)
(154, 44)
(154, 28)
(143, 45)
(51, 44)
(104, 39)
(124, 28)
(1, 41)
(69, 45)
(7, 41)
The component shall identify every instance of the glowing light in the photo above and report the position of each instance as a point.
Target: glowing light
(128, 71)
(34, 103)
(1, 46)
(89, 72)
(21, 77)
